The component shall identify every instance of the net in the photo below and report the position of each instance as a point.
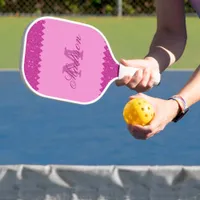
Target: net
(62, 182)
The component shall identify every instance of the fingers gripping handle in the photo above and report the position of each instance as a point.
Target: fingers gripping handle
(130, 71)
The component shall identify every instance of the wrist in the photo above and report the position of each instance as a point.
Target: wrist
(163, 56)
(153, 62)
(154, 67)
(174, 107)
(183, 107)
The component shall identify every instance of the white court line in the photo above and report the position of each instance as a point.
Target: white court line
(8, 70)
(178, 70)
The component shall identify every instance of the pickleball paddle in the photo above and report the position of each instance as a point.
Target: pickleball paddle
(69, 61)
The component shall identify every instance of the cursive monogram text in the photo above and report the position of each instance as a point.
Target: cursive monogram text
(71, 69)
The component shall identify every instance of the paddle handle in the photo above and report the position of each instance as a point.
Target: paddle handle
(130, 71)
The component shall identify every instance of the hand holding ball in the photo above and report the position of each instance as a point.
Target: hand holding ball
(138, 111)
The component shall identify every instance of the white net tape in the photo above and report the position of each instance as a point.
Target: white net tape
(52, 182)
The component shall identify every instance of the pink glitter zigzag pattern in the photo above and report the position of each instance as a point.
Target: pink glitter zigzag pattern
(110, 69)
(33, 53)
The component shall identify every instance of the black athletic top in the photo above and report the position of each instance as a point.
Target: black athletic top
(196, 5)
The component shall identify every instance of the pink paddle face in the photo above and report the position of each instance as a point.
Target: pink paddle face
(67, 61)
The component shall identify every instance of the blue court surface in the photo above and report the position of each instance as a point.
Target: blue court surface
(35, 130)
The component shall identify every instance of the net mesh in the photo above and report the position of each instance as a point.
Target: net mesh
(29, 182)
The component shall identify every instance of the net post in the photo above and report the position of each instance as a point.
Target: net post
(119, 8)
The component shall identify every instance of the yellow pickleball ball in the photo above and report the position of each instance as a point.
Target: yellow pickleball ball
(138, 111)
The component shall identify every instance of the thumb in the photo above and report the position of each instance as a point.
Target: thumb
(139, 63)
(155, 126)
(149, 99)
(149, 129)
(141, 95)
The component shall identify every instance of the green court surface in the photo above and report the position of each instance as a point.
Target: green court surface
(129, 38)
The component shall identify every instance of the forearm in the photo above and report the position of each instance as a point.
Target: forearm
(169, 40)
(191, 91)
(166, 48)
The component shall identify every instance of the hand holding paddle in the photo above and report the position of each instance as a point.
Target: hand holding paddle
(144, 78)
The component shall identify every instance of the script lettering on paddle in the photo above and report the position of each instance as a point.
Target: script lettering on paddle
(71, 69)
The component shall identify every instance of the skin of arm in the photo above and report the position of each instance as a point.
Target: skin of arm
(169, 41)
(167, 110)
(167, 47)
(191, 94)
(191, 91)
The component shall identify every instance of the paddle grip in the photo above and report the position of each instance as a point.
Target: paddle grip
(130, 71)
